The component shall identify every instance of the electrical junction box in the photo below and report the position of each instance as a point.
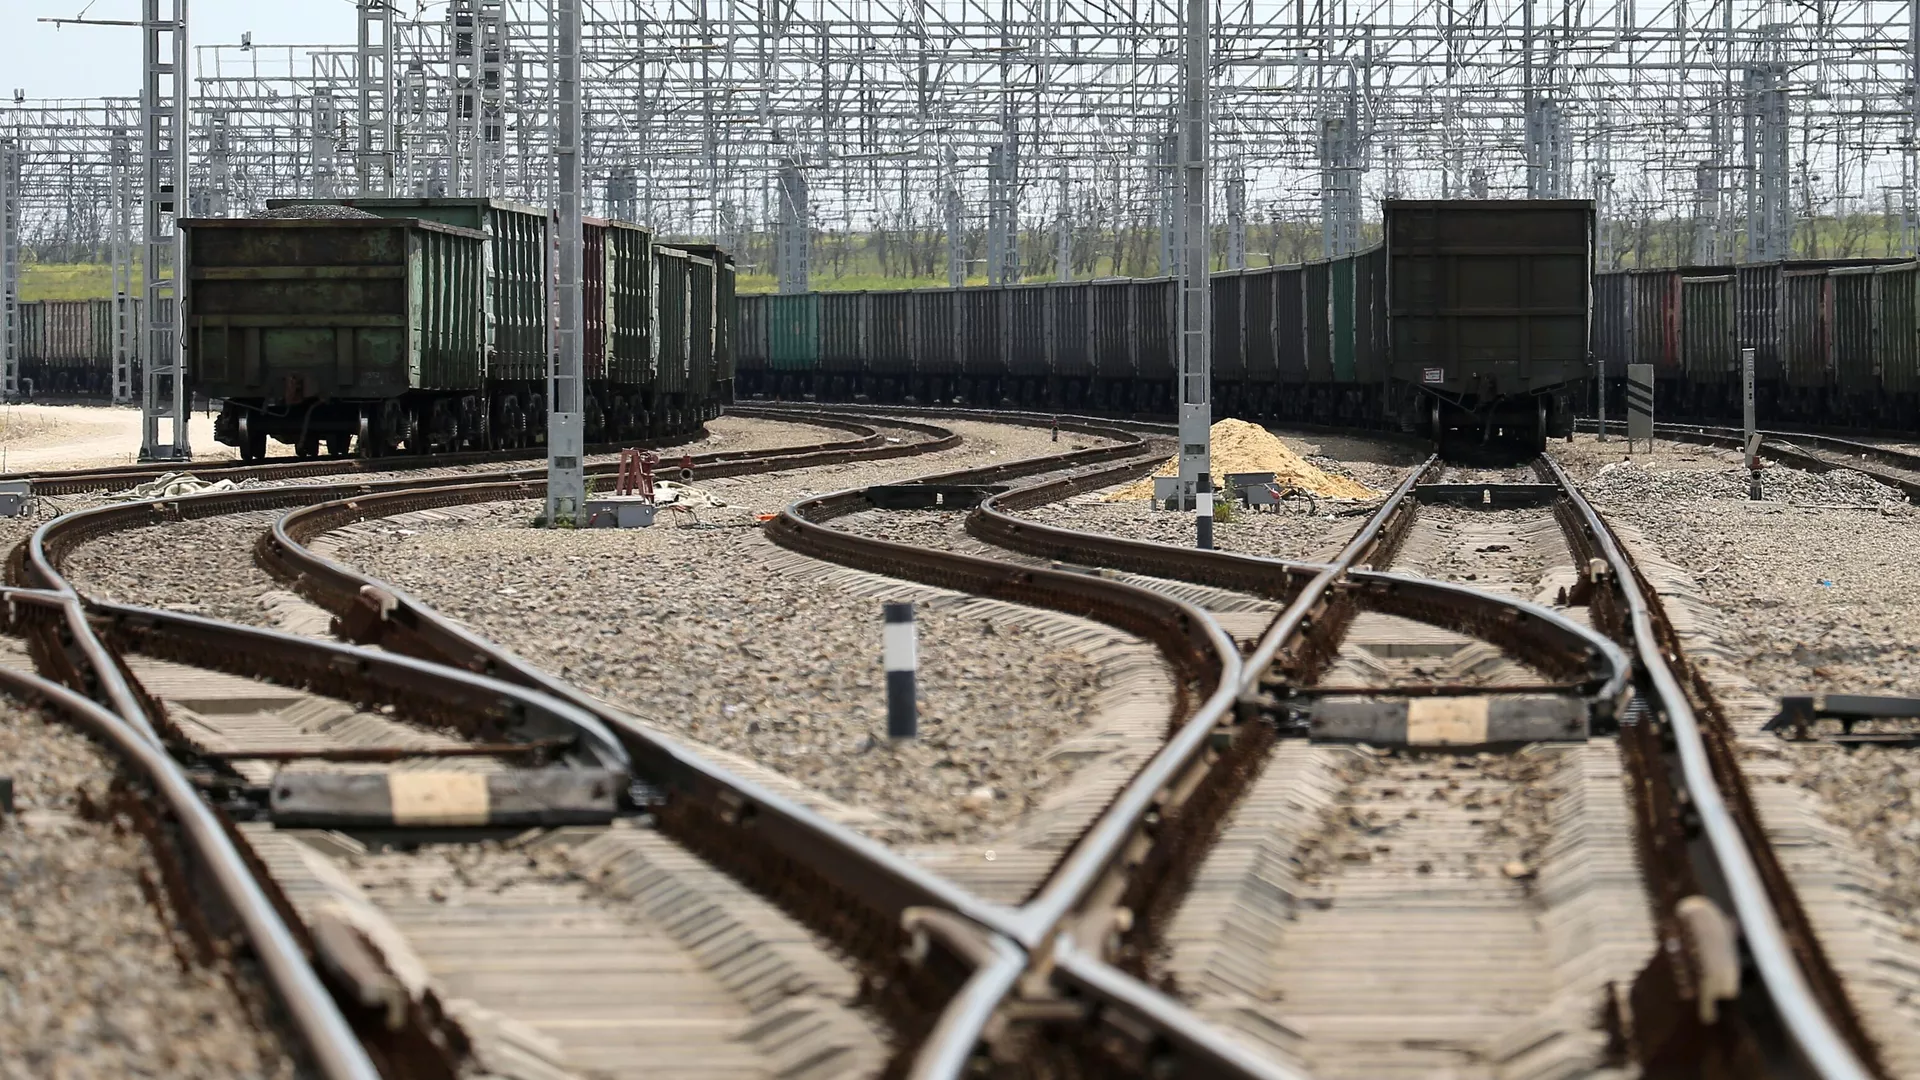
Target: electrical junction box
(13, 497)
(619, 512)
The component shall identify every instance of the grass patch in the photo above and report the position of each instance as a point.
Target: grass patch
(69, 281)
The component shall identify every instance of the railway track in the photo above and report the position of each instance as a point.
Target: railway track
(1893, 465)
(1791, 989)
(270, 726)
(1343, 651)
(411, 627)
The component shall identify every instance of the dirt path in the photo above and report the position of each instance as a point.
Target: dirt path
(81, 436)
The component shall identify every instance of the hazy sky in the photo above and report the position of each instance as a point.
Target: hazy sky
(97, 61)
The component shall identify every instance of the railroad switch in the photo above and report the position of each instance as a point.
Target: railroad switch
(1799, 714)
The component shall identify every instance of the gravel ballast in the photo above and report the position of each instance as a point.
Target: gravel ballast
(92, 980)
(1301, 529)
(206, 567)
(1295, 532)
(685, 625)
(1818, 581)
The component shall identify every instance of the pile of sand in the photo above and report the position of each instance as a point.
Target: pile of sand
(1240, 447)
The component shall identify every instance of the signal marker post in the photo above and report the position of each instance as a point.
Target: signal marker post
(1203, 507)
(1639, 405)
(1752, 441)
(900, 656)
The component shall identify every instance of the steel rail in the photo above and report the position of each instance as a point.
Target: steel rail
(1814, 1033)
(891, 885)
(1091, 859)
(963, 1022)
(1190, 638)
(336, 1051)
(447, 696)
(1536, 635)
(1528, 629)
(262, 653)
(1299, 613)
(1812, 1029)
(36, 562)
(68, 644)
(1043, 918)
(1198, 1041)
(997, 964)
(849, 887)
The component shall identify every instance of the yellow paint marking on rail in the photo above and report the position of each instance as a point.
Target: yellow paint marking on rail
(1444, 721)
(438, 798)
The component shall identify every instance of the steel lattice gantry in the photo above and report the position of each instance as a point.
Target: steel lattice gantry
(1019, 129)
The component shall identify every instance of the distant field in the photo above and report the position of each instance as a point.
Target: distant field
(843, 262)
(68, 281)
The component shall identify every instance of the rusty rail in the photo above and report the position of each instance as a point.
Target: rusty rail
(851, 889)
(1189, 785)
(1800, 985)
(64, 640)
(323, 1029)
(1790, 447)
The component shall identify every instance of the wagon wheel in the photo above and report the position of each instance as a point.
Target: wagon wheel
(392, 428)
(253, 446)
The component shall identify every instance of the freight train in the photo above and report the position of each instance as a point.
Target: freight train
(425, 324)
(1836, 343)
(66, 347)
(1468, 323)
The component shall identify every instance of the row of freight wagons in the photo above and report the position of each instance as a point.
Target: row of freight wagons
(1106, 343)
(1833, 342)
(66, 347)
(425, 322)
(621, 265)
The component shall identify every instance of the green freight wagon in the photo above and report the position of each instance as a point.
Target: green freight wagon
(725, 361)
(702, 332)
(1855, 342)
(30, 340)
(1899, 292)
(1709, 349)
(752, 313)
(517, 244)
(316, 329)
(617, 333)
(793, 330)
(1342, 315)
(683, 336)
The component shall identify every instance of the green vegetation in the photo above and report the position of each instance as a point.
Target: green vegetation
(68, 281)
(890, 259)
(916, 257)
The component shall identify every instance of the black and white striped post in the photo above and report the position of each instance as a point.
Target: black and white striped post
(1203, 507)
(901, 659)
